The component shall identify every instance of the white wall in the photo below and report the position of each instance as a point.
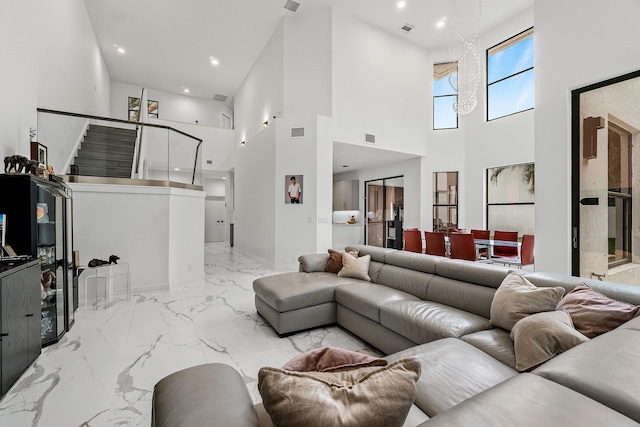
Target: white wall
(158, 231)
(51, 60)
(260, 97)
(171, 106)
(578, 42)
(215, 187)
(380, 87)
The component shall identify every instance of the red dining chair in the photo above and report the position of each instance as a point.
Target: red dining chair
(434, 244)
(481, 235)
(505, 251)
(526, 254)
(412, 240)
(462, 246)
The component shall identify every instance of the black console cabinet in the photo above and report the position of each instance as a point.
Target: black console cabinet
(39, 224)
(19, 320)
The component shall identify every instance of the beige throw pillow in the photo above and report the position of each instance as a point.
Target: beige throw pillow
(517, 298)
(354, 267)
(372, 397)
(541, 336)
(334, 265)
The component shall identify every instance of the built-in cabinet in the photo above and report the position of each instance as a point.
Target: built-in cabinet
(40, 224)
(19, 320)
(346, 195)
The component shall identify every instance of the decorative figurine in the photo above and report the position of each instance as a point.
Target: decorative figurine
(18, 163)
(113, 259)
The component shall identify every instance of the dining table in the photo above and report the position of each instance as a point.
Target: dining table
(487, 244)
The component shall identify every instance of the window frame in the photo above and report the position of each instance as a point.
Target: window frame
(433, 113)
(445, 205)
(519, 35)
(487, 189)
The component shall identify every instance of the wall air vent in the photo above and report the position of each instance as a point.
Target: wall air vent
(291, 5)
(407, 27)
(297, 132)
(218, 97)
(369, 138)
(209, 162)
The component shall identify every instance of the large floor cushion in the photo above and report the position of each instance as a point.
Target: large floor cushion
(291, 291)
(601, 369)
(206, 395)
(425, 321)
(532, 401)
(496, 342)
(452, 371)
(367, 298)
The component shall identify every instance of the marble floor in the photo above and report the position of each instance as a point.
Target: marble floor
(103, 370)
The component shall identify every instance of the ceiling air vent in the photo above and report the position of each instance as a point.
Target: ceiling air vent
(291, 5)
(297, 132)
(370, 138)
(218, 97)
(407, 27)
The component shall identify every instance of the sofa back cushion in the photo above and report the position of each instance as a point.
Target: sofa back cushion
(473, 272)
(409, 281)
(377, 254)
(462, 295)
(413, 261)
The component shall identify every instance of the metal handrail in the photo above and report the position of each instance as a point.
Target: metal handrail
(110, 119)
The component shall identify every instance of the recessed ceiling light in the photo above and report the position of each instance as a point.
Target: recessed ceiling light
(186, 90)
(401, 4)
(121, 50)
(441, 23)
(214, 61)
(224, 177)
(242, 143)
(176, 169)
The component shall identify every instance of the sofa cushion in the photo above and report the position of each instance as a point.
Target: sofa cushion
(517, 298)
(374, 396)
(541, 336)
(313, 263)
(377, 254)
(593, 313)
(410, 281)
(331, 359)
(473, 272)
(334, 264)
(425, 321)
(452, 371)
(466, 296)
(496, 343)
(355, 267)
(602, 369)
(290, 291)
(413, 261)
(527, 399)
(367, 298)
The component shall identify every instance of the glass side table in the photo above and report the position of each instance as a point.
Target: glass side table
(111, 277)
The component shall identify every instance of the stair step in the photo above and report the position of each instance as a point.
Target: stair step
(92, 139)
(101, 155)
(102, 148)
(106, 130)
(105, 174)
(97, 163)
(104, 171)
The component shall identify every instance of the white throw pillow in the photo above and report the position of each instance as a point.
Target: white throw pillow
(355, 267)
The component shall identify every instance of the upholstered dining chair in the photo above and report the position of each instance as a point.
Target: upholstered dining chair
(505, 251)
(412, 240)
(462, 246)
(482, 235)
(526, 254)
(434, 244)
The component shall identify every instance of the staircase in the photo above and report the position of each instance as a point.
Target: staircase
(105, 151)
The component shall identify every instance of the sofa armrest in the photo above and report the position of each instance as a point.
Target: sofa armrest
(313, 262)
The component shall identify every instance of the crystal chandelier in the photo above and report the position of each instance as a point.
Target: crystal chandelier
(463, 21)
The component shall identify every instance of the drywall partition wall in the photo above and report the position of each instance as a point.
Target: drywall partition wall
(51, 60)
(171, 106)
(142, 225)
(256, 197)
(260, 96)
(307, 63)
(568, 32)
(379, 87)
(306, 227)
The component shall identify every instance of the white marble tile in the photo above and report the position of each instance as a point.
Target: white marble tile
(103, 371)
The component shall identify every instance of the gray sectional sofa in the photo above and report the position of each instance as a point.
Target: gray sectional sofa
(438, 310)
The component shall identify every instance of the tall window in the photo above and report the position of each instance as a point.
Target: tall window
(510, 87)
(445, 95)
(510, 198)
(134, 109)
(445, 201)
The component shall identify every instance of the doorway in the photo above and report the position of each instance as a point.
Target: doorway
(384, 200)
(606, 180)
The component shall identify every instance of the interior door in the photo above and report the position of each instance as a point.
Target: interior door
(215, 220)
(606, 180)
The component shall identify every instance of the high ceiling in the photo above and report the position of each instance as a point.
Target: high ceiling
(169, 44)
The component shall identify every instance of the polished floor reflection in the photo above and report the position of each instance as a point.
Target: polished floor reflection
(103, 371)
